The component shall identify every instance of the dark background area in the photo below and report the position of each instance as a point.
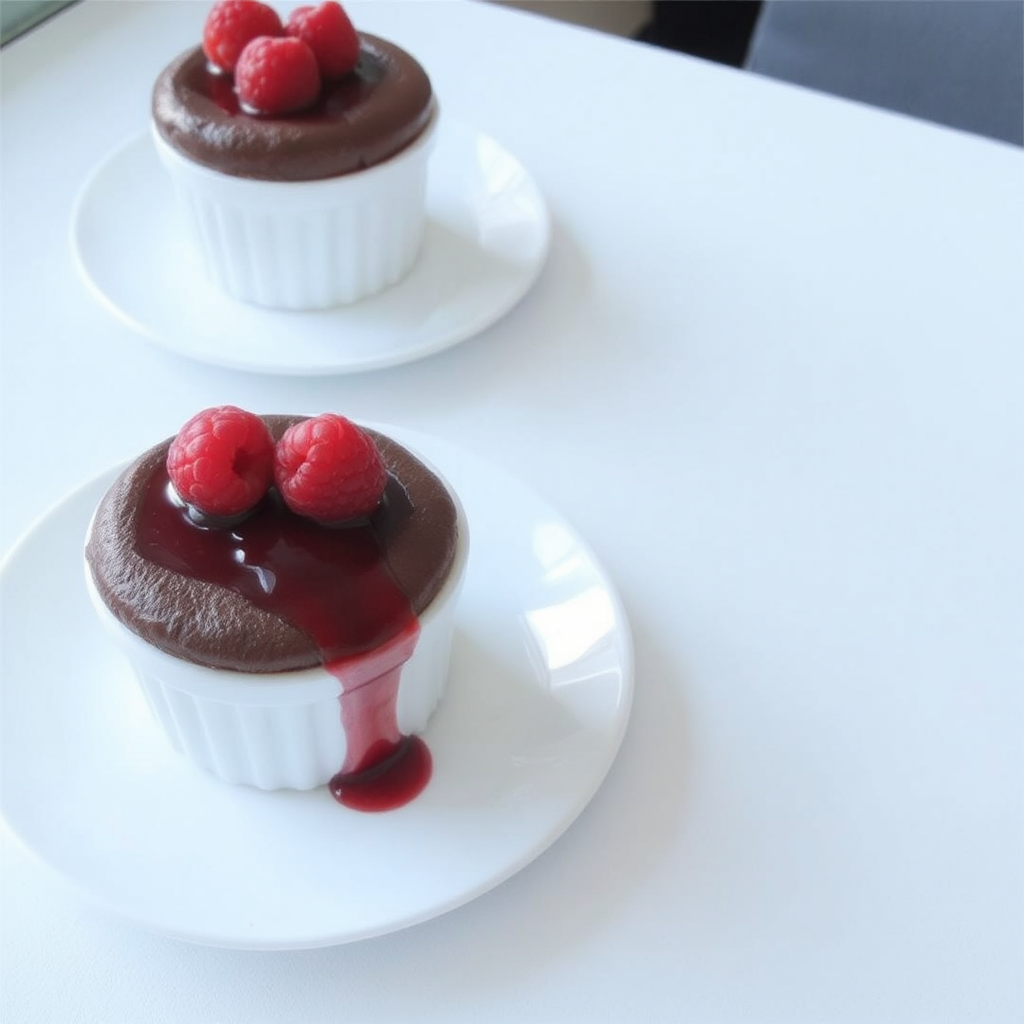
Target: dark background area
(717, 30)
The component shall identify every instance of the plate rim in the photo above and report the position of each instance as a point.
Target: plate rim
(448, 129)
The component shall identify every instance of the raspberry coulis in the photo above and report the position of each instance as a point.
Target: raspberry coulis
(332, 583)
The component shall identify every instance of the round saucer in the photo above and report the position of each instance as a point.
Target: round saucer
(536, 708)
(487, 237)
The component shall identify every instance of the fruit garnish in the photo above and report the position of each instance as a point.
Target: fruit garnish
(231, 25)
(330, 35)
(221, 462)
(277, 76)
(329, 469)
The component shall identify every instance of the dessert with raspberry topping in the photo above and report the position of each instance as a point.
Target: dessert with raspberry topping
(304, 134)
(285, 589)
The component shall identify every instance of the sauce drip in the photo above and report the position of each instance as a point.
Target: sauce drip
(332, 583)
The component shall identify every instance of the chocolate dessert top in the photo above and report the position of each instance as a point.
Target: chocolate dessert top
(359, 121)
(277, 592)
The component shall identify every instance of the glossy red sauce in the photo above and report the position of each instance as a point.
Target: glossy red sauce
(332, 583)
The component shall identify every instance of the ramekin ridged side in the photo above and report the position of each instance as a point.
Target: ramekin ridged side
(305, 245)
(281, 730)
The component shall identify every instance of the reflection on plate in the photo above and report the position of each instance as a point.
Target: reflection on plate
(486, 241)
(537, 706)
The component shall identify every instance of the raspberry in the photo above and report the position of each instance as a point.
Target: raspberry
(330, 36)
(231, 24)
(277, 76)
(328, 469)
(222, 461)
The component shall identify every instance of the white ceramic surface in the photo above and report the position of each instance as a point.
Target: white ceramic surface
(794, 324)
(538, 701)
(304, 245)
(487, 237)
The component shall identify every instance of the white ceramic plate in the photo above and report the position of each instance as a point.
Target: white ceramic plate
(487, 237)
(537, 705)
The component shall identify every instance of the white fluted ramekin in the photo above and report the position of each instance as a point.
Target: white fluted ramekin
(304, 245)
(282, 730)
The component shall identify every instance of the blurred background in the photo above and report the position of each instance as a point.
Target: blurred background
(717, 30)
(958, 63)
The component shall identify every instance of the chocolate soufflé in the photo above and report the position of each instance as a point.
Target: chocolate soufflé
(142, 551)
(359, 121)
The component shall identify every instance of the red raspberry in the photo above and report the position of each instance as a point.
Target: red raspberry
(328, 469)
(222, 461)
(330, 36)
(231, 24)
(277, 76)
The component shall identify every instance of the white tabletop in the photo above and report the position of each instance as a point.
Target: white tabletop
(772, 372)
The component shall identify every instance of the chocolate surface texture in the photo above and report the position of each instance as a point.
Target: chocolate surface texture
(214, 626)
(359, 121)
